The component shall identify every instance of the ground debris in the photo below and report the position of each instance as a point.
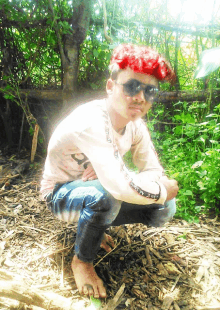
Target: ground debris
(171, 267)
(167, 302)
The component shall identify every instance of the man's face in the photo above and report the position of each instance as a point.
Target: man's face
(129, 108)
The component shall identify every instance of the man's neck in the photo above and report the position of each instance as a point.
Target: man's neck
(118, 122)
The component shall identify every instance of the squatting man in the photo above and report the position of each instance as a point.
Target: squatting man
(85, 179)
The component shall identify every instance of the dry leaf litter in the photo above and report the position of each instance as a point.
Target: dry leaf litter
(172, 267)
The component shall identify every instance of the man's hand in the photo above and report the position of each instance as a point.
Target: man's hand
(89, 174)
(171, 187)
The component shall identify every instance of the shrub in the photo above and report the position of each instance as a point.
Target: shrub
(188, 145)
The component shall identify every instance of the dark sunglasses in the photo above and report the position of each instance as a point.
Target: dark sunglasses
(133, 87)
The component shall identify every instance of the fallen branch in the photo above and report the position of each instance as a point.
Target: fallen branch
(114, 302)
(164, 97)
(32, 296)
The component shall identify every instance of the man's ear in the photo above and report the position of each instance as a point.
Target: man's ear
(109, 86)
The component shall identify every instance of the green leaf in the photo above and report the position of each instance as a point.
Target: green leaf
(10, 97)
(181, 236)
(209, 61)
(96, 303)
(188, 193)
(95, 53)
(178, 130)
(8, 87)
(31, 131)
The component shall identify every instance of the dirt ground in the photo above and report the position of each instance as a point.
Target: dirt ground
(172, 267)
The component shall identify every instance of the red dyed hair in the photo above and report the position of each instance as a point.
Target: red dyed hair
(141, 59)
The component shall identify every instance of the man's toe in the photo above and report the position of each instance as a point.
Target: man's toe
(106, 247)
(86, 289)
(90, 290)
(110, 241)
(101, 290)
(102, 293)
(96, 293)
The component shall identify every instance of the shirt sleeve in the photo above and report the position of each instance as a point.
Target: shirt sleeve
(99, 147)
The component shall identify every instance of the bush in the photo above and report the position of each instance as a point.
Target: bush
(187, 142)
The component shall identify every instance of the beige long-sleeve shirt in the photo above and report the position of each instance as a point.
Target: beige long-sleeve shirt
(87, 135)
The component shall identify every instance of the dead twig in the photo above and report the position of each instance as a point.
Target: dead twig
(175, 283)
(34, 142)
(107, 254)
(13, 191)
(147, 253)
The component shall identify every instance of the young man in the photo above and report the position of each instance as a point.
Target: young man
(85, 179)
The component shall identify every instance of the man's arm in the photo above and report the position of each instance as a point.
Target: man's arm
(146, 159)
(170, 185)
(113, 174)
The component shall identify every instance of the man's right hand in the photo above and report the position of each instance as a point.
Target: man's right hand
(171, 187)
(89, 174)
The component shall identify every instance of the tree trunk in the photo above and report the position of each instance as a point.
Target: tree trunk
(71, 45)
(70, 68)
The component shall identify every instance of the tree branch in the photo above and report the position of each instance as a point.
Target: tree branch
(201, 30)
(57, 30)
(108, 38)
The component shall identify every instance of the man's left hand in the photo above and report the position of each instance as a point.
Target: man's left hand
(171, 187)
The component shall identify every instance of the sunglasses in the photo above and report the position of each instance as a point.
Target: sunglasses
(133, 87)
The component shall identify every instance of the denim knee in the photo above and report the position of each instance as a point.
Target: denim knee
(101, 208)
(161, 216)
(97, 201)
(89, 199)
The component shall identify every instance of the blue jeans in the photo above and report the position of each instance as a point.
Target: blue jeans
(95, 210)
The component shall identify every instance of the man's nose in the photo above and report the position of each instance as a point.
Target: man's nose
(139, 97)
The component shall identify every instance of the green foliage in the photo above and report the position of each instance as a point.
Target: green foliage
(32, 35)
(95, 303)
(187, 142)
(35, 166)
(189, 149)
(128, 161)
(94, 60)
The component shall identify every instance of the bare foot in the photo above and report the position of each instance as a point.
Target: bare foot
(107, 243)
(87, 280)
